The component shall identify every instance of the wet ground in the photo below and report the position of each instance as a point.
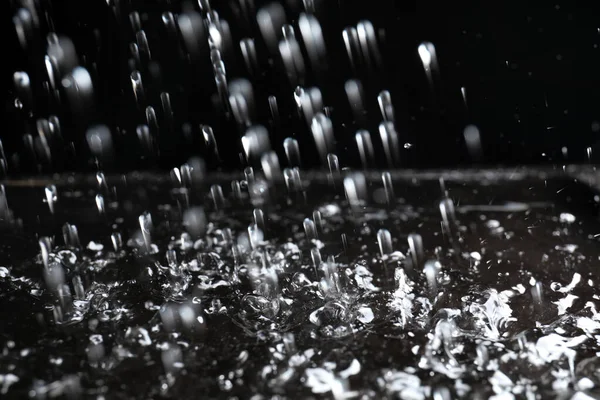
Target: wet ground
(242, 297)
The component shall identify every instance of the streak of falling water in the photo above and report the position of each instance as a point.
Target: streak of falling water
(3, 161)
(241, 101)
(100, 204)
(45, 249)
(291, 183)
(316, 258)
(116, 241)
(310, 230)
(365, 148)
(210, 141)
(51, 195)
(415, 244)
(355, 93)
(350, 37)
(389, 138)
(537, 295)
(24, 23)
(71, 236)
(78, 288)
(274, 109)
(167, 108)
(318, 220)
(256, 235)
(384, 99)
(142, 42)
(312, 37)
(293, 61)
(431, 270)
(62, 57)
(334, 167)
(4, 210)
(368, 44)
(259, 220)
(270, 166)
(256, 143)
(390, 197)
(288, 32)
(322, 130)
(218, 199)
(428, 57)
(330, 284)
(193, 32)
(355, 187)
(443, 189)
(138, 87)
(448, 217)
(309, 102)
(384, 239)
(271, 19)
(292, 152)
(152, 121)
(176, 177)
(101, 180)
(248, 49)
(145, 221)
(146, 140)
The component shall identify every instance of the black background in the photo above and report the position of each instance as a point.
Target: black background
(532, 77)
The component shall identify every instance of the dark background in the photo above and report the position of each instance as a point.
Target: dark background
(532, 77)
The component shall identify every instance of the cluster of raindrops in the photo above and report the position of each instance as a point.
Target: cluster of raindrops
(273, 281)
(266, 85)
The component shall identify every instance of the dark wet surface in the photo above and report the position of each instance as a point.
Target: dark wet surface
(514, 227)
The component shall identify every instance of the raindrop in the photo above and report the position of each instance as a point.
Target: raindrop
(100, 204)
(216, 192)
(355, 93)
(270, 166)
(271, 19)
(365, 148)
(310, 230)
(473, 142)
(355, 187)
(384, 238)
(51, 195)
(384, 99)
(390, 197)
(389, 138)
(322, 130)
(145, 222)
(312, 36)
(100, 143)
(71, 235)
(292, 152)
(248, 49)
(415, 244)
(293, 62)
